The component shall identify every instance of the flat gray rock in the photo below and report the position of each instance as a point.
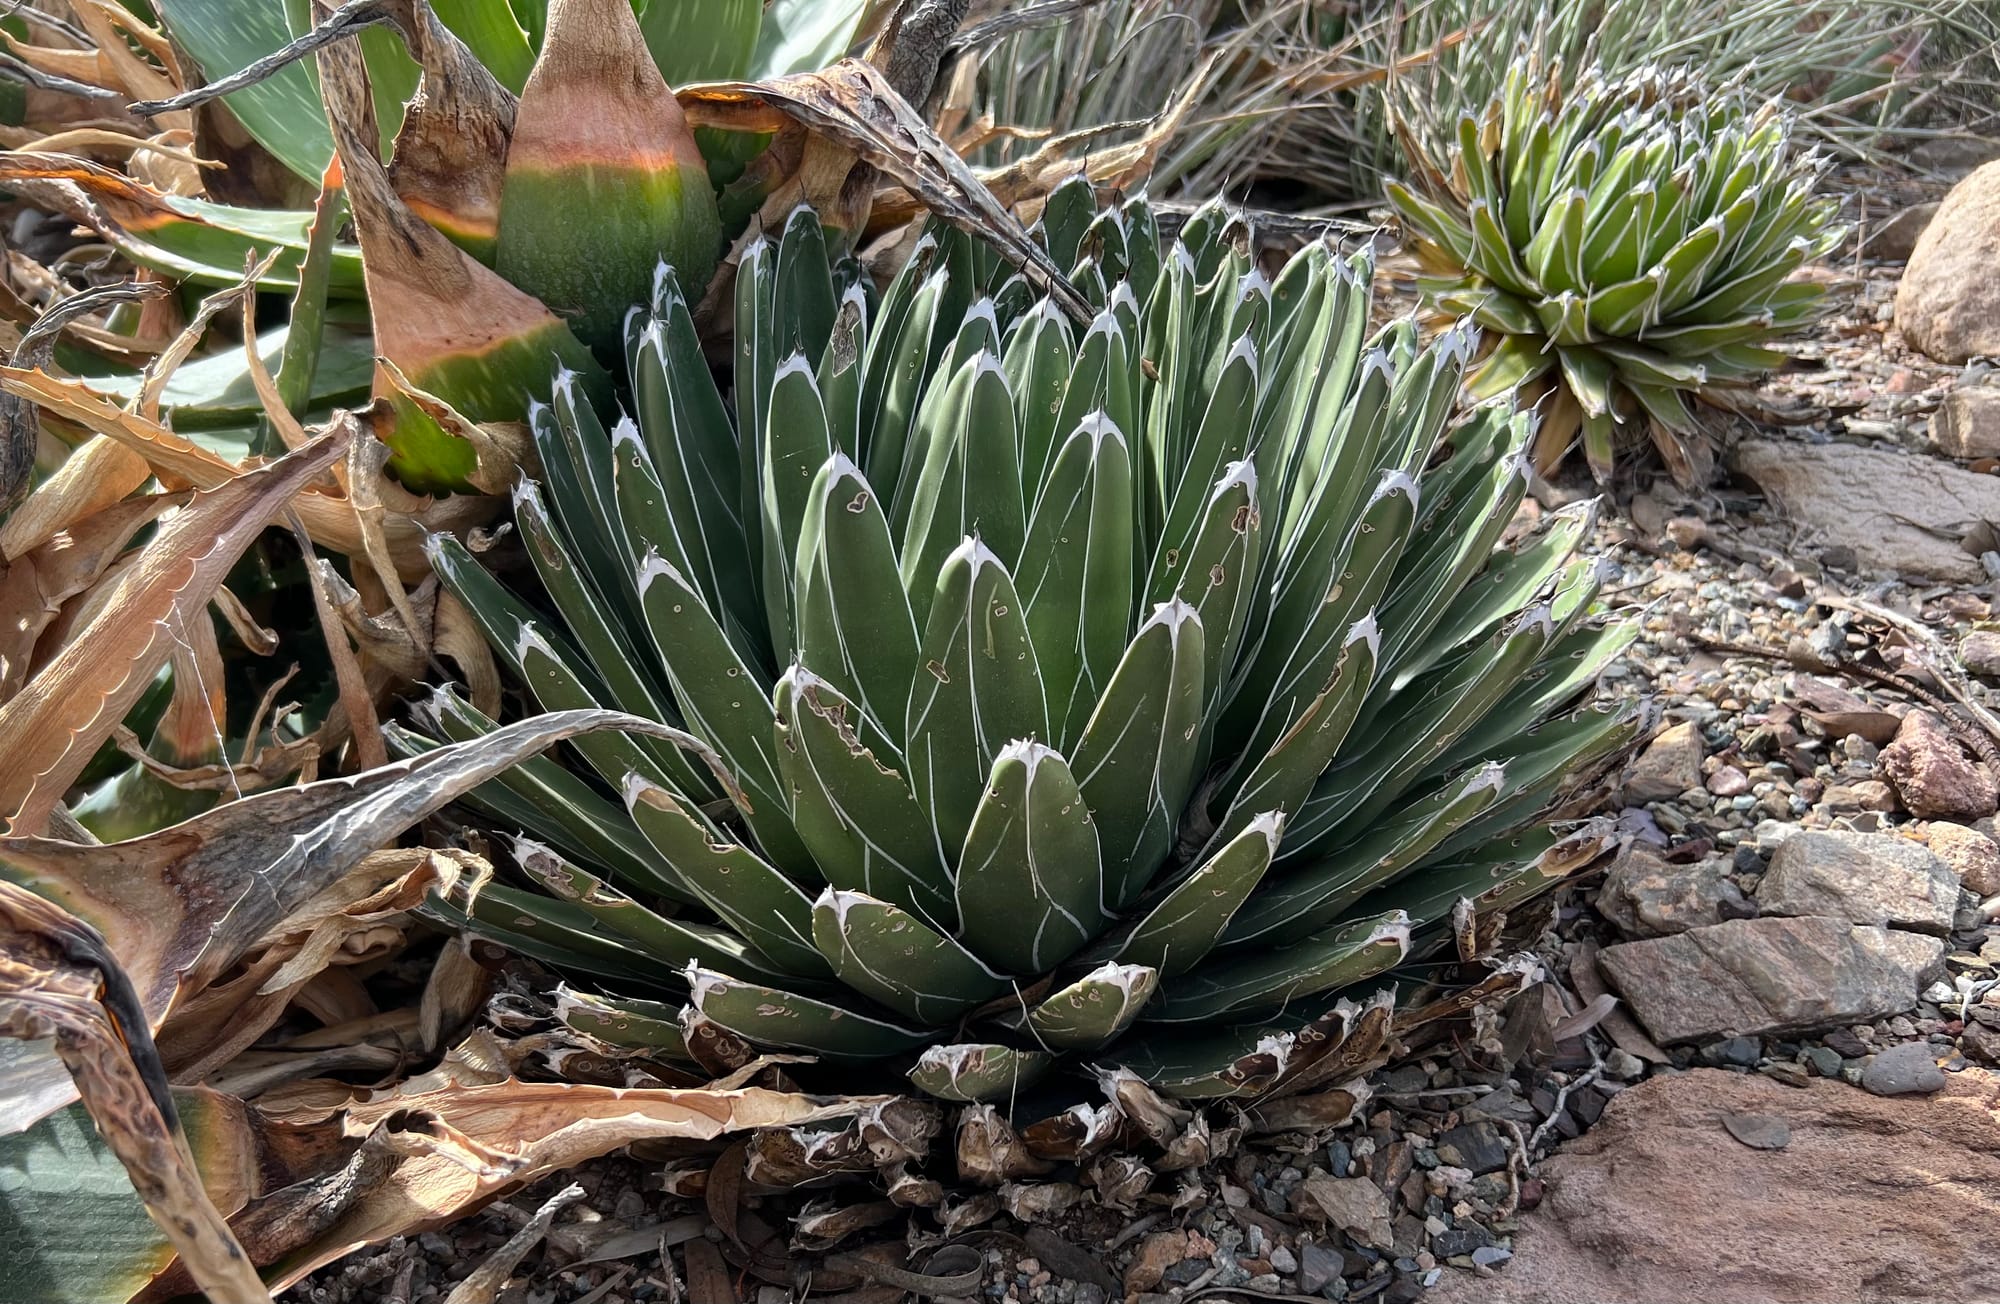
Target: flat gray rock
(1757, 977)
(1901, 513)
(1864, 878)
(1907, 1070)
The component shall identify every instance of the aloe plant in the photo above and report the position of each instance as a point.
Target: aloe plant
(1631, 243)
(1129, 687)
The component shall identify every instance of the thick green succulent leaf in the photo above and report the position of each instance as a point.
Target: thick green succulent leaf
(889, 955)
(897, 360)
(742, 888)
(1301, 645)
(803, 301)
(1241, 1061)
(1395, 748)
(977, 687)
(978, 1072)
(554, 805)
(1137, 759)
(796, 444)
(1095, 1009)
(706, 40)
(625, 1022)
(839, 375)
(769, 1016)
(1238, 985)
(1030, 884)
(1076, 571)
(556, 933)
(852, 805)
(598, 627)
(1178, 932)
(1218, 574)
(695, 460)
(969, 481)
(1038, 359)
(1510, 582)
(664, 938)
(725, 705)
(853, 624)
(1220, 443)
(1497, 876)
(1313, 896)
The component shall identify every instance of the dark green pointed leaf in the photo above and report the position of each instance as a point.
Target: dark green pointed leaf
(1096, 1008)
(1076, 571)
(1030, 892)
(743, 889)
(1184, 927)
(978, 1072)
(1240, 985)
(1137, 758)
(854, 623)
(768, 1016)
(977, 687)
(891, 956)
(850, 803)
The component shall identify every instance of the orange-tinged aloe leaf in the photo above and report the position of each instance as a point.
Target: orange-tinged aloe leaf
(49, 731)
(604, 179)
(451, 154)
(452, 326)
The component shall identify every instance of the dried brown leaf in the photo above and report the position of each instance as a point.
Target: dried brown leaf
(58, 981)
(183, 905)
(50, 730)
(851, 105)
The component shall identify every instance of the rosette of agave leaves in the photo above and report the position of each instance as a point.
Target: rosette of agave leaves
(1629, 244)
(1136, 691)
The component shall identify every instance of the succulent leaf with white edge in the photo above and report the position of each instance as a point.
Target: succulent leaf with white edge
(1630, 243)
(1140, 691)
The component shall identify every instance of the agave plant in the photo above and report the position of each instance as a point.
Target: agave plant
(1126, 688)
(1631, 243)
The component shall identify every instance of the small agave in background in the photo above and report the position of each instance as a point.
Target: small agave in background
(1630, 244)
(1129, 688)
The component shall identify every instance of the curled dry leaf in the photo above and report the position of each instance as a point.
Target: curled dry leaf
(852, 106)
(351, 526)
(181, 906)
(49, 731)
(58, 981)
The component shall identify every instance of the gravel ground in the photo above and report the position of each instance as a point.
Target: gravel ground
(1431, 1175)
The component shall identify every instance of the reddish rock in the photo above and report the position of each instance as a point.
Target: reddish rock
(1932, 774)
(1870, 1199)
(1157, 1253)
(1670, 765)
(1644, 896)
(1971, 855)
(1728, 781)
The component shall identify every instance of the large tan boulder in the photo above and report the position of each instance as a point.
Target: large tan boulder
(1948, 304)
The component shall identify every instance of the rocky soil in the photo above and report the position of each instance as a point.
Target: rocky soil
(1762, 1048)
